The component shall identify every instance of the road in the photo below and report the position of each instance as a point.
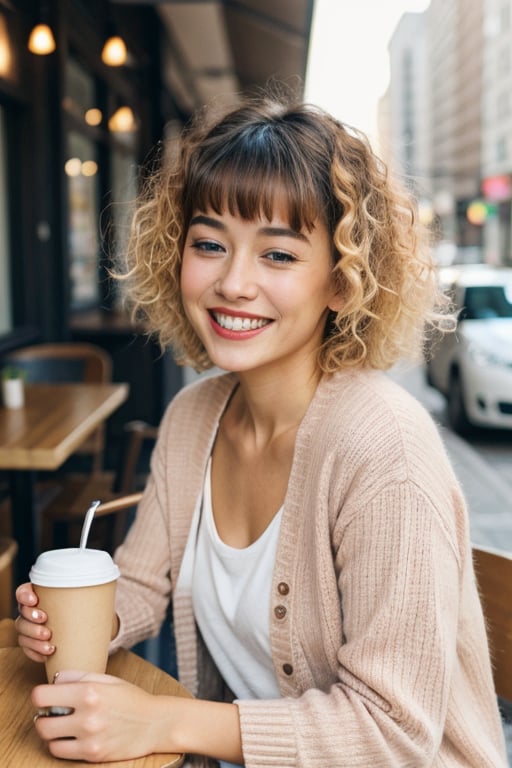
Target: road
(483, 466)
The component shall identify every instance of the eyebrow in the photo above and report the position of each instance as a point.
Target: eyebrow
(269, 231)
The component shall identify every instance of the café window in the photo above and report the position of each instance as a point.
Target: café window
(101, 172)
(83, 205)
(81, 171)
(6, 321)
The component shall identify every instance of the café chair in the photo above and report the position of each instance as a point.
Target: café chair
(494, 577)
(68, 362)
(8, 550)
(62, 518)
(8, 634)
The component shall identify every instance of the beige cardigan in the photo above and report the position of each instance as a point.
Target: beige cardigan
(377, 633)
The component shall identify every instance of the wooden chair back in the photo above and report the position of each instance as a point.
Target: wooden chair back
(8, 550)
(8, 634)
(68, 362)
(62, 518)
(494, 576)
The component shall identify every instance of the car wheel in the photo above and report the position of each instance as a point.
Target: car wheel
(457, 415)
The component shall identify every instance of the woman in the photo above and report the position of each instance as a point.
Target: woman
(301, 511)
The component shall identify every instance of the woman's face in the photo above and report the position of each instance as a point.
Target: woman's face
(256, 292)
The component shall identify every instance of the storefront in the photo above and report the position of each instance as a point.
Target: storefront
(74, 136)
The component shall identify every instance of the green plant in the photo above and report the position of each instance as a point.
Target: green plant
(12, 372)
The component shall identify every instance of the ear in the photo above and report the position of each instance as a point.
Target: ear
(335, 303)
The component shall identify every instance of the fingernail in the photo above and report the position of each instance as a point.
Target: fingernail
(49, 648)
(35, 614)
(55, 677)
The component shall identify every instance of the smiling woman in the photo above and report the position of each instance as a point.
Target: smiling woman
(301, 512)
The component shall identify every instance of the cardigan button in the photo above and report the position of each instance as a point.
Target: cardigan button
(280, 611)
(288, 669)
(283, 588)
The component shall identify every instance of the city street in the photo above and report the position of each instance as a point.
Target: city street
(483, 465)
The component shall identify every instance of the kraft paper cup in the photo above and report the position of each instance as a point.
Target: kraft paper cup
(76, 588)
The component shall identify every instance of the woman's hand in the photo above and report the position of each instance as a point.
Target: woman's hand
(33, 634)
(111, 719)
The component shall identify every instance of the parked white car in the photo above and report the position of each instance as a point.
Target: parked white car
(473, 366)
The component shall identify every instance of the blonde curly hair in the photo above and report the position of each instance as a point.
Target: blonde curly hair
(236, 162)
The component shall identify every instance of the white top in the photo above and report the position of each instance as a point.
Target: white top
(231, 598)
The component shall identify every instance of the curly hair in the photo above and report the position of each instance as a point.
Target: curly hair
(235, 162)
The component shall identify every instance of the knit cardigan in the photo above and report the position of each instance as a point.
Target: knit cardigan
(376, 629)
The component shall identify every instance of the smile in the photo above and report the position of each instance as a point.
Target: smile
(235, 323)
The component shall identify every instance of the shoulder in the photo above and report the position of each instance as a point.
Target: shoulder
(369, 402)
(366, 421)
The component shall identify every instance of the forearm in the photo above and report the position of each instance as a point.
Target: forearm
(199, 727)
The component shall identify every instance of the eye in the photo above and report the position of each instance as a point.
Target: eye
(207, 246)
(280, 257)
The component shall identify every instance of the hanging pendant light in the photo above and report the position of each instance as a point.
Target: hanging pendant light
(123, 120)
(114, 53)
(41, 40)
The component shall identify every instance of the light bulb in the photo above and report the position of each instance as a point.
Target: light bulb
(41, 40)
(122, 121)
(114, 52)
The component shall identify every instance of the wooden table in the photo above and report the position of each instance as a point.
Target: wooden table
(21, 747)
(55, 421)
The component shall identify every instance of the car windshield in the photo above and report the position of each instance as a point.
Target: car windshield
(487, 301)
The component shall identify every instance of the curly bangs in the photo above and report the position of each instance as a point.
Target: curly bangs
(251, 156)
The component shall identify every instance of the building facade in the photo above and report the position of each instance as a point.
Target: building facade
(453, 40)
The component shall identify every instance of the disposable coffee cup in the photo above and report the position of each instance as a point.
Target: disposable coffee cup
(76, 589)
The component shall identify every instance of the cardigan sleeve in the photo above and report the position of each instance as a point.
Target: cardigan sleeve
(401, 582)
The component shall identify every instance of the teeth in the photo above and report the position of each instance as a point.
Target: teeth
(239, 323)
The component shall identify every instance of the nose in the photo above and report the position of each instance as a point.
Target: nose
(238, 278)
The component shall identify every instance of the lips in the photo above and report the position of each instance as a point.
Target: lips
(238, 322)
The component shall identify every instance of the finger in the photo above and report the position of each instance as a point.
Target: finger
(25, 595)
(33, 614)
(54, 727)
(67, 749)
(34, 637)
(32, 625)
(34, 655)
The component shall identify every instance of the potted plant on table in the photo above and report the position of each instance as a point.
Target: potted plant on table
(13, 387)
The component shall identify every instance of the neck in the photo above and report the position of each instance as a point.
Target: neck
(270, 406)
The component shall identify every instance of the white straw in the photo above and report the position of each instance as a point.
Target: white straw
(87, 523)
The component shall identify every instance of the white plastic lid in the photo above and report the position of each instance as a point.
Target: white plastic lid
(73, 567)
